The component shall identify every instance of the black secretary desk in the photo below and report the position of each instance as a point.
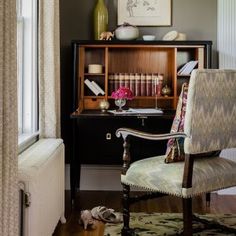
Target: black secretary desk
(94, 140)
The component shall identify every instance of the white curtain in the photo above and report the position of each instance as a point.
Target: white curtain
(49, 69)
(8, 120)
(226, 34)
(226, 46)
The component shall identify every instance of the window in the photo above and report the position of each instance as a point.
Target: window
(27, 72)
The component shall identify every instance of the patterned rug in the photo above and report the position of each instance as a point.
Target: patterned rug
(170, 224)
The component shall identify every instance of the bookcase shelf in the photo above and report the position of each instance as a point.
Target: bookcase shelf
(137, 59)
(94, 74)
(183, 75)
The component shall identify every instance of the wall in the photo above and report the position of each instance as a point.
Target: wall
(196, 18)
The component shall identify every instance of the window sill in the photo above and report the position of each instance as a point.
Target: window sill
(26, 140)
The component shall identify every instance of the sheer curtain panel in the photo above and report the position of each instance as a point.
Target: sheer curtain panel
(8, 120)
(49, 69)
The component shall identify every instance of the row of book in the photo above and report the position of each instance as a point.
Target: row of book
(139, 84)
(187, 68)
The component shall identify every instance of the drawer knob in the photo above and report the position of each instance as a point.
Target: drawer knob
(108, 136)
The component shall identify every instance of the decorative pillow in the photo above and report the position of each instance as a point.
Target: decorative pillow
(175, 147)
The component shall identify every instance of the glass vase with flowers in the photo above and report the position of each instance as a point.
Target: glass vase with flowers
(121, 95)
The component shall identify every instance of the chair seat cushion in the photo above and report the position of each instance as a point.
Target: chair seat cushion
(209, 174)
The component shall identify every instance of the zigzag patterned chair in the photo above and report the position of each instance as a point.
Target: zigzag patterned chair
(210, 125)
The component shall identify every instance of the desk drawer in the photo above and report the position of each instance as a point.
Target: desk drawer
(98, 144)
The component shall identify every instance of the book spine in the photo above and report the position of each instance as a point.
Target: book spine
(143, 85)
(159, 85)
(148, 85)
(132, 83)
(98, 87)
(111, 83)
(116, 82)
(91, 87)
(154, 84)
(137, 84)
(127, 81)
(121, 80)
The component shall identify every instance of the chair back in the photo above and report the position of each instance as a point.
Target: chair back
(210, 120)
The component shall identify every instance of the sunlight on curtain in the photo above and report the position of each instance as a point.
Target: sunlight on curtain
(8, 120)
(226, 34)
(49, 69)
(226, 46)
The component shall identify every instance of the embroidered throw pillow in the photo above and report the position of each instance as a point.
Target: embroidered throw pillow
(175, 147)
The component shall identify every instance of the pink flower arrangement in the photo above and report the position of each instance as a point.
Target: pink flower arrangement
(122, 93)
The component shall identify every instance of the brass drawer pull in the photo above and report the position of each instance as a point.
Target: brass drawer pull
(108, 136)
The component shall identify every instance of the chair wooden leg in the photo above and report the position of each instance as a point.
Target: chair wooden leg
(187, 216)
(126, 214)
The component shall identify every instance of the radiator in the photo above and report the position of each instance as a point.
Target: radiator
(41, 187)
(24, 202)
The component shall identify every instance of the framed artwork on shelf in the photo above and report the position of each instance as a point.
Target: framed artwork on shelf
(144, 12)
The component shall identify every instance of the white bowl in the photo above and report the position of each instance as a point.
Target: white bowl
(149, 37)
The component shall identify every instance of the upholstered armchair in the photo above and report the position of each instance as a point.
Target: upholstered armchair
(210, 125)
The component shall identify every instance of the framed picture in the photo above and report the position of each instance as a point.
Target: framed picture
(144, 12)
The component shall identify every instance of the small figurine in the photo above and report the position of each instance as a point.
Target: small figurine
(86, 218)
(106, 35)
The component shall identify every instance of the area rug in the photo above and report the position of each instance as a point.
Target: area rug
(170, 224)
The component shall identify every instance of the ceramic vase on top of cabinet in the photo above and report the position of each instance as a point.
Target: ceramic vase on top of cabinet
(100, 19)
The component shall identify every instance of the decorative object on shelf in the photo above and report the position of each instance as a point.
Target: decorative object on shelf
(120, 103)
(106, 35)
(94, 68)
(104, 105)
(145, 12)
(170, 36)
(166, 91)
(174, 35)
(149, 37)
(187, 68)
(100, 18)
(121, 95)
(181, 36)
(126, 32)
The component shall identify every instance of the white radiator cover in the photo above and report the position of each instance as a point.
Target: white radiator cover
(42, 171)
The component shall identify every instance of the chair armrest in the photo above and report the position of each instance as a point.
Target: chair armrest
(125, 132)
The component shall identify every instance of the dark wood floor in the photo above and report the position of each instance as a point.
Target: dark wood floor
(90, 199)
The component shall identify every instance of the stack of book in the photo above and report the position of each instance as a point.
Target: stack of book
(187, 68)
(139, 84)
(94, 87)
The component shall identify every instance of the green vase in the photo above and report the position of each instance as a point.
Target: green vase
(100, 18)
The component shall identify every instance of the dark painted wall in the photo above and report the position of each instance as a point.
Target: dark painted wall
(196, 18)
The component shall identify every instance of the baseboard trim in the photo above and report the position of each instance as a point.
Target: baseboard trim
(97, 177)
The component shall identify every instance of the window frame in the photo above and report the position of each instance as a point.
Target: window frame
(27, 72)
